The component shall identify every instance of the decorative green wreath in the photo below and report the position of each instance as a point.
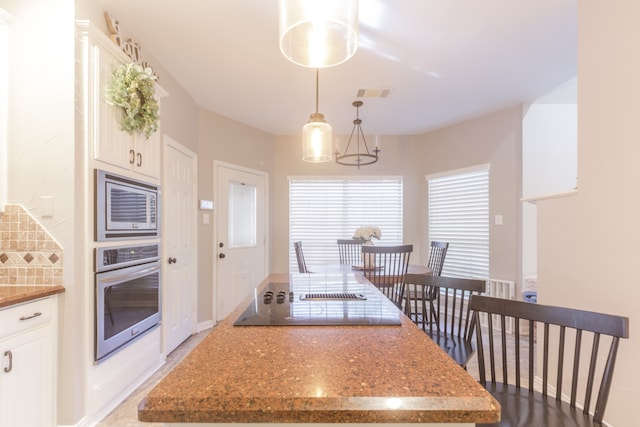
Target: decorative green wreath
(132, 88)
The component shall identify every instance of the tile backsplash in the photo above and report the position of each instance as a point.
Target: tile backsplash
(28, 254)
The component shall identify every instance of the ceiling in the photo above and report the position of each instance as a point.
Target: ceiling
(443, 61)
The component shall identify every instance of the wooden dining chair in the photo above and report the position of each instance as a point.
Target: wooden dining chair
(437, 254)
(350, 251)
(565, 376)
(440, 306)
(302, 265)
(385, 267)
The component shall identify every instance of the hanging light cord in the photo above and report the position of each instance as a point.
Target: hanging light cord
(317, 87)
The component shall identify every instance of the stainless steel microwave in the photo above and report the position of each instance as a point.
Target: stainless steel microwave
(125, 208)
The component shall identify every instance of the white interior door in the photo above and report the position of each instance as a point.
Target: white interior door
(241, 254)
(179, 241)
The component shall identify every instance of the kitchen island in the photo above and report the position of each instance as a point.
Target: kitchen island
(317, 374)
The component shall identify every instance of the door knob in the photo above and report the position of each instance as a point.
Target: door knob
(172, 260)
(221, 256)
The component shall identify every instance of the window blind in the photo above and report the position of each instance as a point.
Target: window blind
(324, 210)
(459, 214)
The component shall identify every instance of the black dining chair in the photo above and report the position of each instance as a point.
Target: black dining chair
(385, 267)
(437, 254)
(586, 335)
(440, 306)
(350, 251)
(302, 265)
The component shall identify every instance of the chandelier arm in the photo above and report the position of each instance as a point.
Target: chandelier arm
(346, 149)
(364, 140)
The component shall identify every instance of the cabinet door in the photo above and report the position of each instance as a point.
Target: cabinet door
(27, 389)
(147, 154)
(111, 144)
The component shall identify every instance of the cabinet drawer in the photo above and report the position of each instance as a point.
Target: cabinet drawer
(24, 316)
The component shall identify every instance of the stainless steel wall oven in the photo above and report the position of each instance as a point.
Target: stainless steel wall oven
(127, 295)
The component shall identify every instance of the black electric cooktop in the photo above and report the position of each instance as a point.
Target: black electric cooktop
(317, 300)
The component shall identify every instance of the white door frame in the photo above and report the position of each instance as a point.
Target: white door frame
(214, 275)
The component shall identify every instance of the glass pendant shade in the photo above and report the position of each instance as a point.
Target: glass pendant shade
(318, 33)
(316, 140)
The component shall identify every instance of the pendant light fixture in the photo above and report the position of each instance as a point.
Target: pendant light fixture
(357, 158)
(316, 136)
(318, 33)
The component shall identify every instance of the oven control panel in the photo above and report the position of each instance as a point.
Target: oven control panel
(111, 258)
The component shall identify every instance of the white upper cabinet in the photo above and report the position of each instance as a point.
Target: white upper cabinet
(111, 144)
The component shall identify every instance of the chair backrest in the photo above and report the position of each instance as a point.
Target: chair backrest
(557, 328)
(350, 251)
(302, 265)
(385, 267)
(437, 255)
(441, 304)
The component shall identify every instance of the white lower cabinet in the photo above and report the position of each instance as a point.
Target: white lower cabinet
(27, 371)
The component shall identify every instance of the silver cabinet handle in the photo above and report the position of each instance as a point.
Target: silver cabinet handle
(36, 314)
(10, 356)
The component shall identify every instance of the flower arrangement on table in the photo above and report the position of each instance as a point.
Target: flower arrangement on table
(367, 233)
(132, 88)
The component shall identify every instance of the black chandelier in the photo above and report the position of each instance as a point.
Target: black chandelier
(358, 158)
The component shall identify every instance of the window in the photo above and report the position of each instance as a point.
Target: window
(324, 210)
(242, 215)
(459, 214)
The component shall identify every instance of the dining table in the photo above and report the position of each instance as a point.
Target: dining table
(331, 268)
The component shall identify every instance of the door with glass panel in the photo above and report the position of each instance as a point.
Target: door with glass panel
(240, 235)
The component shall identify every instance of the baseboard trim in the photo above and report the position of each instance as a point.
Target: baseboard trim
(203, 326)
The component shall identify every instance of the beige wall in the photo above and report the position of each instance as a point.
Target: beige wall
(223, 139)
(588, 247)
(494, 139)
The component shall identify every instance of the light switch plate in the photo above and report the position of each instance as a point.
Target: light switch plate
(46, 206)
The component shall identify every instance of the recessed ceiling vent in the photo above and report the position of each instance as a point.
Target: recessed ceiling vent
(373, 93)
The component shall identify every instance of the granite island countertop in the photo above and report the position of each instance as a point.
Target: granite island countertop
(317, 374)
(17, 294)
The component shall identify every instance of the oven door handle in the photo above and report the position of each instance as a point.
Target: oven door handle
(131, 275)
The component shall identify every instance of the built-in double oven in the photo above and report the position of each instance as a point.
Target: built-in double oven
(127, 275)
